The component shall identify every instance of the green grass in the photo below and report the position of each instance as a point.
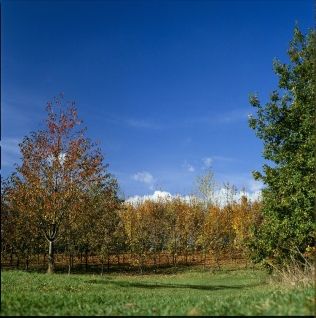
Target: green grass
(192, 292)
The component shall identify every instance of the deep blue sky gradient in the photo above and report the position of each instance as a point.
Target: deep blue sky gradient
(161, 84)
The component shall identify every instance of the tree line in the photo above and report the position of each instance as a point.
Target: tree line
(62, 199)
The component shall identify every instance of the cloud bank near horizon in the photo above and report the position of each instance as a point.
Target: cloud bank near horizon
(220, 196)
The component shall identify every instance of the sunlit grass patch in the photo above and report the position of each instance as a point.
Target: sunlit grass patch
(194, 292)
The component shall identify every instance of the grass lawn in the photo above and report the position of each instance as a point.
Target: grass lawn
(190, 292)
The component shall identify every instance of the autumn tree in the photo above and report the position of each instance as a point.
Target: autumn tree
(286, 125)
(59, 165)
(136, 220)
(105, 235)
(246, 216)
(175, 228)
(192, 217)
(158, 228)
(206, 186)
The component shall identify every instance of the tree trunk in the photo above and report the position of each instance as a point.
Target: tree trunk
(11, 257)
(51, 264)
(69, 264)
(108, 263)
(27, 262)
(141, 265)
(102, 266)
(86, 257)
(71, 260)
(175, 259)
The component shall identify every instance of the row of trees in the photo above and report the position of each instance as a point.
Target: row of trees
(62, 196)
(145, 230)
(185, 228)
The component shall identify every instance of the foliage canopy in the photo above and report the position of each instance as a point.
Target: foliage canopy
(286, 125)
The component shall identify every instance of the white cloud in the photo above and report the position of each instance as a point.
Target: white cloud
(191, 168)
(157, 195)
(233, 116)
(188, 167)
(207, 162)
(138, 123)
(144, 177)
(142, 123)
(220, 197)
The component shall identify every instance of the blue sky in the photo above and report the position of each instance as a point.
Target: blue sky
(163, 85)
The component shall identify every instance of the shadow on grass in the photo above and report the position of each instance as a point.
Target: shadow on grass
(124, 269)
(114, 269)
(160, 285)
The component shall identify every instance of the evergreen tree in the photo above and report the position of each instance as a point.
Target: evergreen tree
(286, 125)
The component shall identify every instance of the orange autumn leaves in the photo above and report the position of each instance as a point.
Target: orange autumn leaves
(184, 228)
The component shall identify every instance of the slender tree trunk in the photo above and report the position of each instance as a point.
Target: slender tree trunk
(11, 257)
(108, 263)
(175, 250)
(51, 265)
(27, 262)
(141, 265)
(69, 264)
(102, 266)
(86, 257)
(72, 261)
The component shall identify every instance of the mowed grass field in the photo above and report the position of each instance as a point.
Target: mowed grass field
(190, 292)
